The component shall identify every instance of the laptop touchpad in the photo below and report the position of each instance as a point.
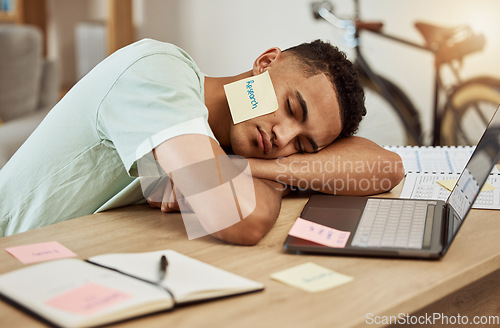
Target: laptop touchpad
(339, 218)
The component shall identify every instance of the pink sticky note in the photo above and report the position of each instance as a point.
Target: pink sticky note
(39, 252)
(319, 233)
(88, 299)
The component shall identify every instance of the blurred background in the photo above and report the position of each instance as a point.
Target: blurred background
(225, 36)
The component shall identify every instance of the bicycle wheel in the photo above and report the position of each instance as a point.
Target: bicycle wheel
(390, 120)
(468, 111)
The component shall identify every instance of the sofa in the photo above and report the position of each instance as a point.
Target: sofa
(29, 86)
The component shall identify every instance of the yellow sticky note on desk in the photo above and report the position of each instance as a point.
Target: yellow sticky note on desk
(449, 184)
(311, 277)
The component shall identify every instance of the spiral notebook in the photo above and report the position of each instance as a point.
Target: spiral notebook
(426, 167)
(440, 159)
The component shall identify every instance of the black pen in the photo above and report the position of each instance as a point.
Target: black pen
(162, 275)
(163, 268)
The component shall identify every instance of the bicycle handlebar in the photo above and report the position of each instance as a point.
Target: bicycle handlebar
(325, 10)
(447, 50)
(369, 26)
(327, 15)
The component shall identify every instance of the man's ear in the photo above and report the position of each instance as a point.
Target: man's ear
(263, 62)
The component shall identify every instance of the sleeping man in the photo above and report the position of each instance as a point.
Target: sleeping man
(147, 124)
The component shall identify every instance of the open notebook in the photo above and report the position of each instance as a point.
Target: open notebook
(114, 287)
(433, 159)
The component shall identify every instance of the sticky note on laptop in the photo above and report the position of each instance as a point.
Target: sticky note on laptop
(450, 183)
(311, 277)
(318, 233)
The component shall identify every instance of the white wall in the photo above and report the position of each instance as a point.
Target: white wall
(224, 36)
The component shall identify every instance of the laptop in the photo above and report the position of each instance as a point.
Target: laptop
(394, 227)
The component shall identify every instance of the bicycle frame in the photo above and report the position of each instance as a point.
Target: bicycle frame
(353, 29)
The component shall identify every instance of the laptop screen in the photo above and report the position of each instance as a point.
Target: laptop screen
(473, 177)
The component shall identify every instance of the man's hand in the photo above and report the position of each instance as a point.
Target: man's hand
(164, 197)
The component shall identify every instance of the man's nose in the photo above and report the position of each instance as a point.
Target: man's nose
(285, 132)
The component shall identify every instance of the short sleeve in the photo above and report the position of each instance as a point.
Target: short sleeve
(156, 98)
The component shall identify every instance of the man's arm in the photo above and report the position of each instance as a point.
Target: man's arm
(349, 166)
(182, 151)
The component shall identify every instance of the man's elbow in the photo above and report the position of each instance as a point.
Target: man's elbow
(399, 174)
(242, 233)
(250, 230)
(393, 179)
(389, 175)
(250, 235)
(257, 213)
(394, 173)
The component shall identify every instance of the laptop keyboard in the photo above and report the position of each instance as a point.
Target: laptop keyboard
(392, 223)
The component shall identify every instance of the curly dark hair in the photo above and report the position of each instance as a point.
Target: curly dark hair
(322, 57)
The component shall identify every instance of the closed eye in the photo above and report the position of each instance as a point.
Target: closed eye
(298, 146)
(289, 107)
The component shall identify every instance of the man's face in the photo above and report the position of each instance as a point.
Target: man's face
(307, 119)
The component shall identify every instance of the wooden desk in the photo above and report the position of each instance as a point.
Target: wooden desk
(380, 286)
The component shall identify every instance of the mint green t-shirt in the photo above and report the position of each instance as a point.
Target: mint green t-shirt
(82, 159)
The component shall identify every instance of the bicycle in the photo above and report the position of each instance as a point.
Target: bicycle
(468, 104)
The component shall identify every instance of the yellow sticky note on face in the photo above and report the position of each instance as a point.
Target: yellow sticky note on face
(251, 97)
(311, 277)
(449, 184)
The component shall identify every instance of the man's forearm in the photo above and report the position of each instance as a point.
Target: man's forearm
(350, 166)
(219, 190)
